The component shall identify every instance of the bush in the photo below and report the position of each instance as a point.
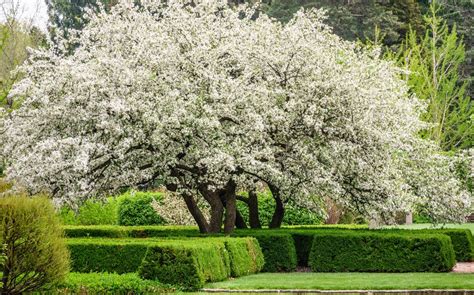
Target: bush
(188, 265)
(245, 256)
(294, 215)
(378, 252)
(108, 283)
(97, 212)
(278, 251)
(35, 250)
(135, 209)
(463, 243)
(92, 212)
(106, 255)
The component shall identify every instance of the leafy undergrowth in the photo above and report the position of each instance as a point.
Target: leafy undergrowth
(110, 283)
(349, 281)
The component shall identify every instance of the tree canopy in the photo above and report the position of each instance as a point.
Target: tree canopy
(209, 99)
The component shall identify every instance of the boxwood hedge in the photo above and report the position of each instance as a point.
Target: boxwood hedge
(381, 252)
(188, 263)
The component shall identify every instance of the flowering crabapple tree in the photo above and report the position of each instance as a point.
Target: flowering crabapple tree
(210, 100)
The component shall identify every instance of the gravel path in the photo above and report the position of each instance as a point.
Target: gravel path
(466, 267)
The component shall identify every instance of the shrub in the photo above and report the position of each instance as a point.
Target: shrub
(135, 208)
(378, 252)
(278, 251)
(108, 283)
(35, 250)
(97, 212)
(106, 255)
(245, 256)
(463, 243)
(186, 265)
(294, 215)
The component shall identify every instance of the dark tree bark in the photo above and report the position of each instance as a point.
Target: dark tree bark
(254, 219)
(230, 207)
(196, 213)
(239, 220)
(217, 208)
(279, 212)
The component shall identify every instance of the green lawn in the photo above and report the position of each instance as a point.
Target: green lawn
(349, 281)
(428, 225)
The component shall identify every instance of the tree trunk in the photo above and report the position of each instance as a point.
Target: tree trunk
(196, 213)
(254, 218)
(217, 212)
(217, 209)
(230, 207)
(239, 220)
(279, 212)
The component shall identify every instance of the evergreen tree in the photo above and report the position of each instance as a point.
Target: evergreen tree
(433, 73)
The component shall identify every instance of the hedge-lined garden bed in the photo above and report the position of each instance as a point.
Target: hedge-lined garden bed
(188, 263)
(173, 253)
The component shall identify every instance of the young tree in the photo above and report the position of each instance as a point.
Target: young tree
(433, 74)
(208, 99)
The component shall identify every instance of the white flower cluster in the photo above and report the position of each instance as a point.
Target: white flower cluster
(198, 95)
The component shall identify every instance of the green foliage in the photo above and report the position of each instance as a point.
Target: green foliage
(92, 212)
(185, 262)
(135, 209)
(433, 65)
(355, 20)
(463, 243)
(119, 256)
(278, 250)
(294, 215)
(107, 283)
(245, 256)
(188, 265)
(35, 250)
(378, 252)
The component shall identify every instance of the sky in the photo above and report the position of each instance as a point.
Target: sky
(30, 10)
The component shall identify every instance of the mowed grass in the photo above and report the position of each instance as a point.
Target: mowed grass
(431, 226)
(349, 281)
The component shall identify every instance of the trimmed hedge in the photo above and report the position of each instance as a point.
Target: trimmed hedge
(463, 243)
(96, 255)
(186, 266)
(245, 256)
(188, 263)
(278, 250)
(378, 252)
(461, 239)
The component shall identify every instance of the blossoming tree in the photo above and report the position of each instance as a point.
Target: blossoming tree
(209, 100)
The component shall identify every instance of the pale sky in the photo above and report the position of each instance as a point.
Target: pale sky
(30, 10)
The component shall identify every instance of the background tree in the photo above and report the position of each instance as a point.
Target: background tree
(16, 34)
(434, 65)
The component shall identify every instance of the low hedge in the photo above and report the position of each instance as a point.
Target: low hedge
(245, 256)
(108, 231)
(107, 283)
(97, 255)
(188, 263)
(187, 266)
(278, 250)
(378, 252)
(463, 243)
(462, 239)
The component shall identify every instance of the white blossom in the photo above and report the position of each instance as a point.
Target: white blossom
(197, 95)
